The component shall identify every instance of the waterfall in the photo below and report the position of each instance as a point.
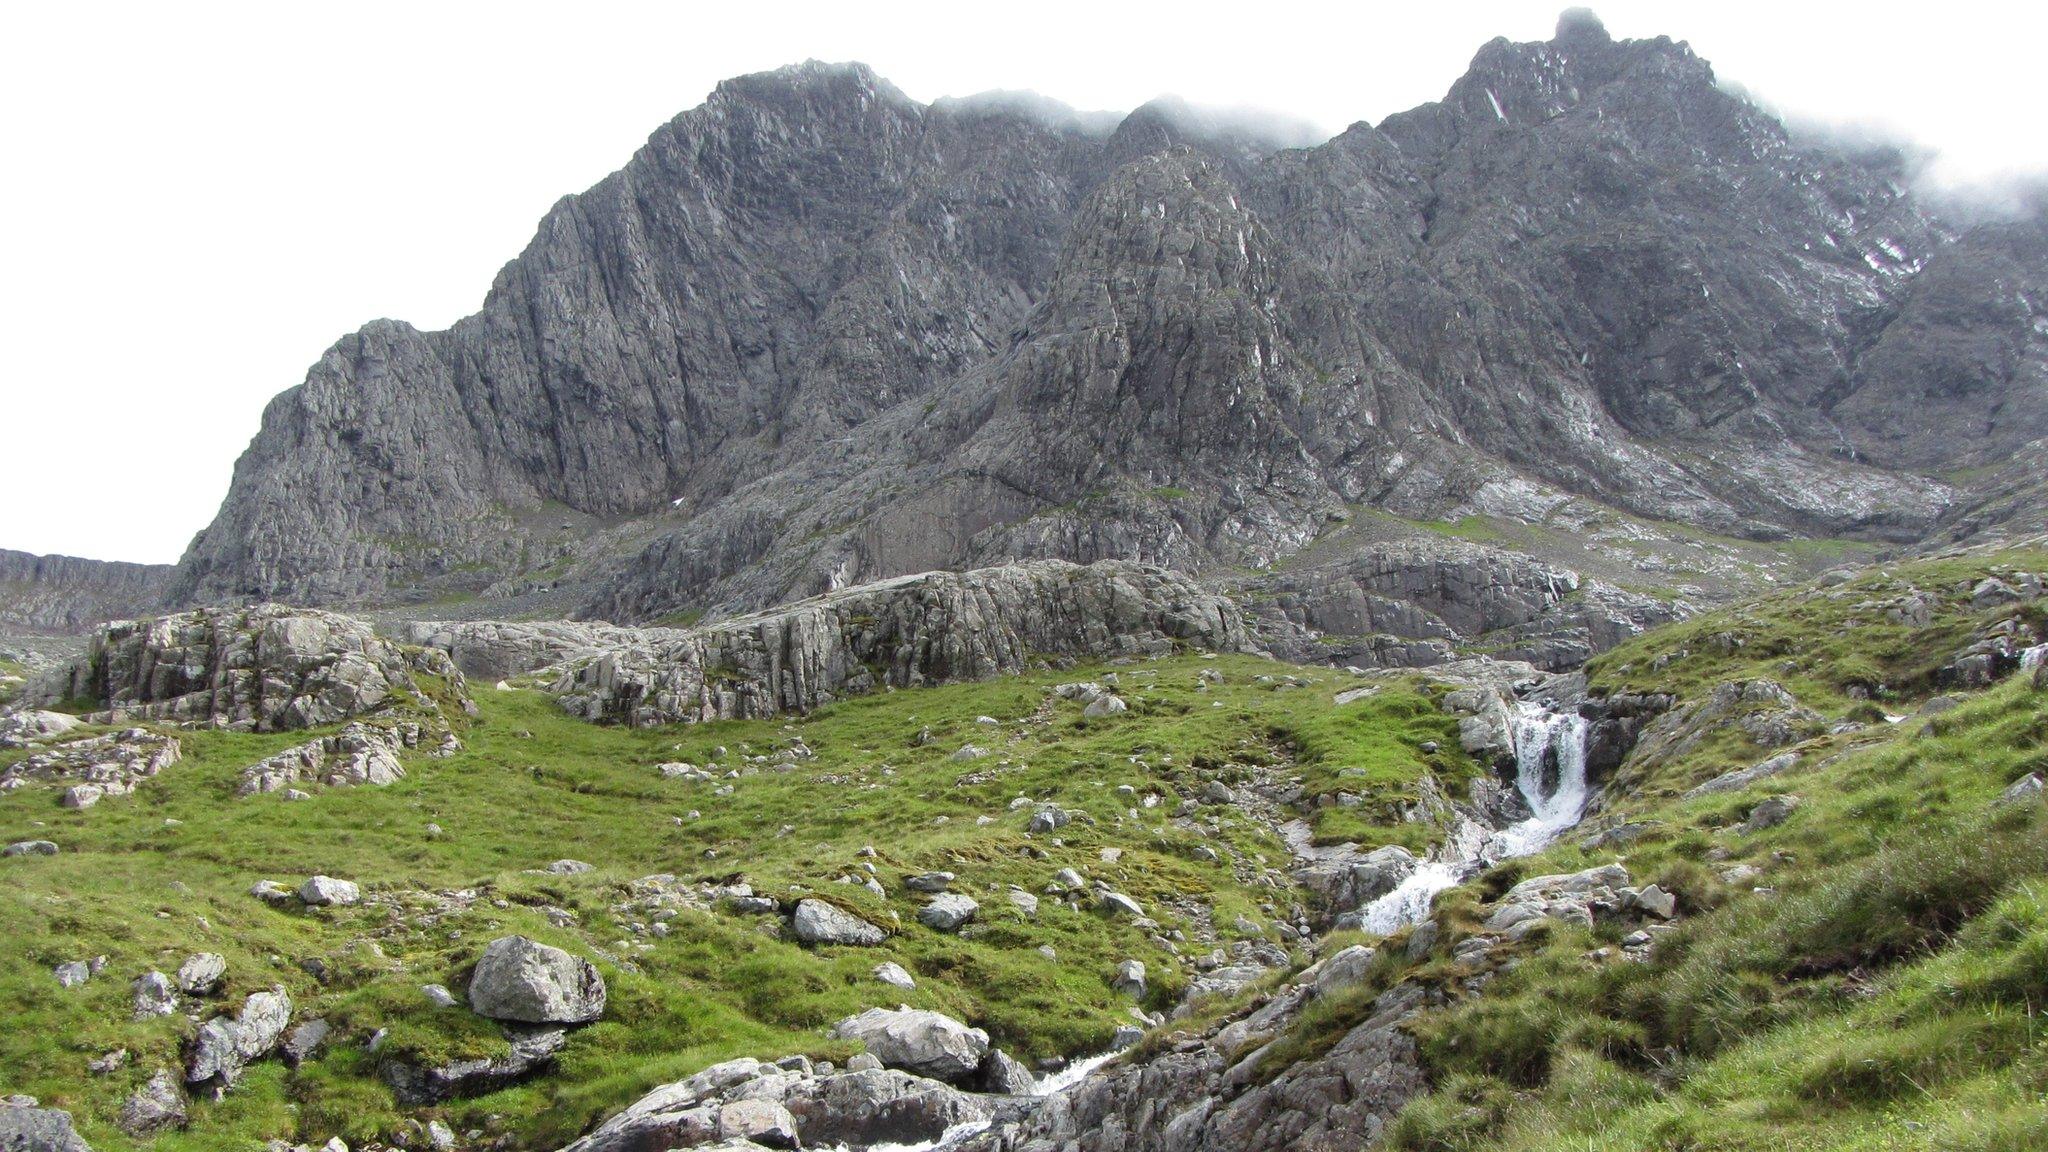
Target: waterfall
(1550, 773)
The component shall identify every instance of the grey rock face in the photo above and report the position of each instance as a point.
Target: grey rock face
(153, 1107)
(528, 982)
(31, 1129)
(68, 594)
(922, 1043)
(224, 1046)
(816, 922)
(917, 630)
(270, 668)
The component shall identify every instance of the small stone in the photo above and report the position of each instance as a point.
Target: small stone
(438, 995)
(1105, 706)
(202, 973)
(890, 972)
(567, 867)
(1130, 979)
(73, 973)
(1770, 813)
(30, 848)
(154, 996)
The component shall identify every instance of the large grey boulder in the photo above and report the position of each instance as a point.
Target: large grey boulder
(817, 922)
(224, 1046)
(919, 1042)
(528, 982)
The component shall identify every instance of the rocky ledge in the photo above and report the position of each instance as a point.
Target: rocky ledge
(908, 631)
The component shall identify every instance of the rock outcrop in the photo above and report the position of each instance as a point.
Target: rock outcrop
(853, 1109)
(911, 630)
(268, 668)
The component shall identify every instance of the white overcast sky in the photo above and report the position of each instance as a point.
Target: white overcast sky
(200, 198)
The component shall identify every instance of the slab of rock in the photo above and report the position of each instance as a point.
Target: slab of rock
(304, 1042)
(1002, 1075)
(360, 754)
(532, 1051)
(906, 631)
(919, 1042)
(525, 981)
(225, 1046)
(817, 922)
(30, 848)
(948, 911)
(930, 882)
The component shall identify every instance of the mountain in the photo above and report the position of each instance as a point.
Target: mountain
(816, 334)
(68, 593)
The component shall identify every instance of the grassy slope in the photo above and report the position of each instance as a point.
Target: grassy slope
(1887, 994)
(533, 786)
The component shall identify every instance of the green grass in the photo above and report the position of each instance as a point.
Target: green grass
(151, 878)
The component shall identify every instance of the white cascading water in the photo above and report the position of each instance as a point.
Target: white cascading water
(1550, 772)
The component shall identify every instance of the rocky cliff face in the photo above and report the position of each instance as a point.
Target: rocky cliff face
(816, 334)
(67, 594)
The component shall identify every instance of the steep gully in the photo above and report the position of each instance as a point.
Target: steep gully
(1549, 744)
